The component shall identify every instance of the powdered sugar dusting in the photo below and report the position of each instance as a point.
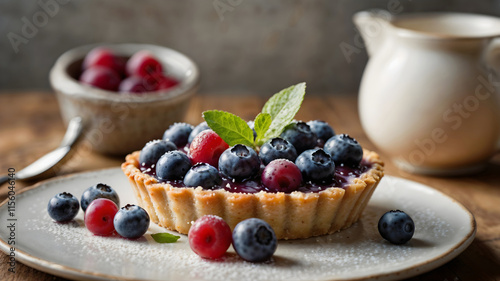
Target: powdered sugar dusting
(355, 252)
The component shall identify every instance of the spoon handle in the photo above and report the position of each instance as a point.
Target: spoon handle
(73, 132)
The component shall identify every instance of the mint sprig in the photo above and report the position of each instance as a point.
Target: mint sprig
(231, 128)
(165, 237)
(283, 107)
(261, 126)
(277, 113)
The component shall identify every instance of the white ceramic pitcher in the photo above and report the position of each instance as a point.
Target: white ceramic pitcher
(429, 97)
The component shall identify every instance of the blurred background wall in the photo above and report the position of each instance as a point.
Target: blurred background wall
(241, 46)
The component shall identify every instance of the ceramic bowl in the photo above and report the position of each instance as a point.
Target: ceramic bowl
(118, 123)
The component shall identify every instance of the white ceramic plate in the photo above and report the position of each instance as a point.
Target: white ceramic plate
(444, 228)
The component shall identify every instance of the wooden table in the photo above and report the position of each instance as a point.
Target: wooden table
(30, 125)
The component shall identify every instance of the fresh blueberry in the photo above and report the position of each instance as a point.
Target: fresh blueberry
(322, 130)
(178, 133)
(63, 207)
(396, 227)
(198, 129)
(254, 240)
(316, 165)
(131, 221)
(204, 175)
(239, 162)
(173, 165)
(299, 134)
(277, 148)
(99, 190)
(153, 150)
(344, 150)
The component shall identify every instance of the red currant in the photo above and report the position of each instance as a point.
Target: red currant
(207, 147)
(143, 64)
(101, 77)
(210, 237)
(99, 216)
(103, 57)
(281, 175)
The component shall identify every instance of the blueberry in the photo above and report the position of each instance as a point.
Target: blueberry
(299, 134)
(396, 227)
(153, 150)
(198, 129)
(344, 150)
(178, 133)
(316, 165)
(254, 240)
(99, 190)
(204, 175)
(63, 207)
(277, 148)
(239, 162)
(322, 130)
(173, 165)
(131, 221)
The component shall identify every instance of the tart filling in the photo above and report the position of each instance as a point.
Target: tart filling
(311, 210)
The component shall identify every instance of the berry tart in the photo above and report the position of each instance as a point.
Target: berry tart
(300, 178)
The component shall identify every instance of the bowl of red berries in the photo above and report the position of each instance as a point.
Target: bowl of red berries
(125, 93)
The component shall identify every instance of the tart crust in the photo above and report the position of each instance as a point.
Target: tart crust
(291, 215)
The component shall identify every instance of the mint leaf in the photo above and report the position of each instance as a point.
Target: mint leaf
(282, 107)
(261, 125)
(165, 237)
(231, 128)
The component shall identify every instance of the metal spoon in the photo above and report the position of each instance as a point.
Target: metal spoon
(46, 165)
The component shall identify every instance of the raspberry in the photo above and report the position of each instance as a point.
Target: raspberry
(207, 147)
(105, 58)
(143, 64)
(210, 237)
(99, 217)
(165, 82)
(281, 175)
(136, 84)
(101, 77)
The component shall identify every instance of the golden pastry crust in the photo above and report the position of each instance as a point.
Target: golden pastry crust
(291, 215)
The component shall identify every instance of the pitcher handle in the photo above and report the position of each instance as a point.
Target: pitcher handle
(372, 25)
(492, 55)
(492, 61)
